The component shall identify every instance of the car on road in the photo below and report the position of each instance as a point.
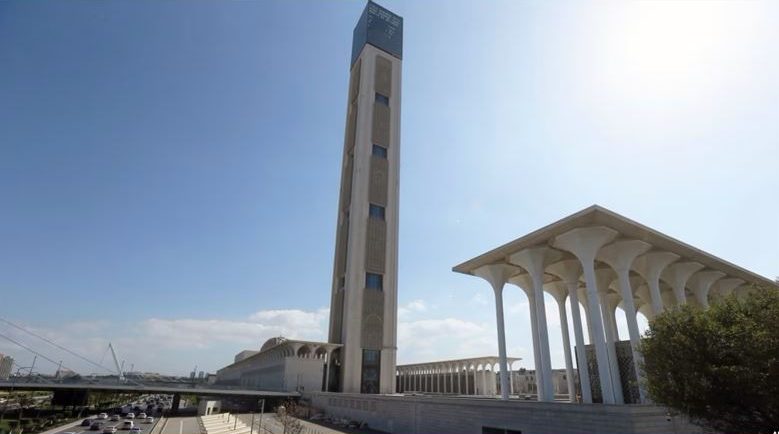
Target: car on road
(149, 419)
(130, 416)
(135, 430)
(114, 418)
(96, 426)
(109, 429)
(128, 424)
(102, 416)
(86, 422)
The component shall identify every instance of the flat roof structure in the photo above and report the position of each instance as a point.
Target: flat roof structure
(607, 261)
(470, 376)
(596, 215)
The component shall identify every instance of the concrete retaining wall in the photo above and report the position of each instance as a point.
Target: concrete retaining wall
(455, 415)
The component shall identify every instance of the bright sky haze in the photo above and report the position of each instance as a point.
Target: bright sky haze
(169, 171)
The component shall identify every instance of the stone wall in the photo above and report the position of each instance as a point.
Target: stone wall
(453, 415)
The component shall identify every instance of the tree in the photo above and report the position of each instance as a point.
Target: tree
(285, 414)
(720, 367)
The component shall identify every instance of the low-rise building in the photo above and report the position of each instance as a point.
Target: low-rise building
(6, 365)
(283, 365)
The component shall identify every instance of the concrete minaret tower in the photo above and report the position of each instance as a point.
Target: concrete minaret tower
(363, 309)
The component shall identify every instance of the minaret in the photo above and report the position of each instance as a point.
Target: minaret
(363, 309)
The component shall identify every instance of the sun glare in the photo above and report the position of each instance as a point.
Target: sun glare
(674, 48)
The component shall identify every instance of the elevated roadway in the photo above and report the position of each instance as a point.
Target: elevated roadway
(200, 390)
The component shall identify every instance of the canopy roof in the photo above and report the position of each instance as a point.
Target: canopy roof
(596, 215)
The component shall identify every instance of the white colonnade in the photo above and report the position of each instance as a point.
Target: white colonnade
(472, 376)
(603, 261)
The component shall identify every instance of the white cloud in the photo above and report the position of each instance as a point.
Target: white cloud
(260, 326)
(413, 306)
(436, 339)
(479, 298)
(211, 341)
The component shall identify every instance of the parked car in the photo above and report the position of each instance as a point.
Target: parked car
(135, 430)
(149, 419)
(86, 422)
(102, 416)
(142, 416)
(109, 429)
(114, 418)
(128, 424)
(96, 426)
(130, 416)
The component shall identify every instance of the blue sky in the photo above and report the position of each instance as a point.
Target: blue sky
(169, 170)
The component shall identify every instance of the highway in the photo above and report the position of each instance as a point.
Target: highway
(78, 429)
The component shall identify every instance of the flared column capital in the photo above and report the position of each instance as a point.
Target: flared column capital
(535, 259)
(496, 274)
(620, 254)
(677, 275)
(725, 287)
(585, 242)
(568, 270)
(701, 283)
(650, 265)
(604, 277)
(559, 290)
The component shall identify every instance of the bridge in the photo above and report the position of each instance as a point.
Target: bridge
(135, 387)
(116, 381)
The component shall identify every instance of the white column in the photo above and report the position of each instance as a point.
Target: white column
(644, 301)
(677, 275)
(620, 256)
(582, 292)
(497, 275)
(534, 260)
(329, 355)
(451, 379)
(649, 266)
(511, 378)
(525, 283)
(559, 291)
(701, 283)
(584, 243)
(604, 277)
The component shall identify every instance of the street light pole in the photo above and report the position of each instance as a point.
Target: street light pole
(33, 366)
(262, 412)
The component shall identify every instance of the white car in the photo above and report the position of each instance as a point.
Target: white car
(128, 424)
(102, 416)
(142, 416)
(149, 420)
(109, 430)
(130, 416)
(135, 430)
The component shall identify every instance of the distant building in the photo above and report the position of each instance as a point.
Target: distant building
(201, 375)
(524, 381)
(281, 365)
(64, 373)
(244, 354)
(6, 364)
(192, 375)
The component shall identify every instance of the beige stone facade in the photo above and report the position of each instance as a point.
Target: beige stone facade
(363, 312)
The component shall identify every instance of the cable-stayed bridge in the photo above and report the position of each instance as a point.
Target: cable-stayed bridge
(25, 378)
